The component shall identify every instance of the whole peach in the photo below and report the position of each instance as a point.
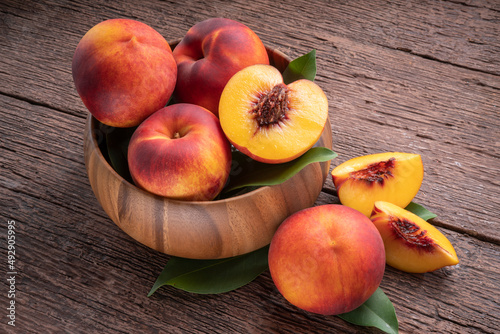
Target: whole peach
(327, 259)
(210, 53)
(180, 152)
(123, 71)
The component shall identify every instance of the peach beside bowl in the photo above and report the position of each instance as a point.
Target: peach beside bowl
(201, 230)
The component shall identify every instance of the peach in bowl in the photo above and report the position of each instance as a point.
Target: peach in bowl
(213, 229)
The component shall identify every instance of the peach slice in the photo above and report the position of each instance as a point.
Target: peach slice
(393, 177)
(269, 121)
(411, 244)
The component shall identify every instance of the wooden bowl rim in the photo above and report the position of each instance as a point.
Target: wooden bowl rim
(91, 125)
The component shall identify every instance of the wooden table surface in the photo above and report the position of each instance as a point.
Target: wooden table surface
(411, 76)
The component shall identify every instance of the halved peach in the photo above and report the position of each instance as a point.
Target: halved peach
(269, 121)
(411, 244)
(393, 177)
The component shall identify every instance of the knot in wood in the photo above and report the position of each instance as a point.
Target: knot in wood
(273, 106)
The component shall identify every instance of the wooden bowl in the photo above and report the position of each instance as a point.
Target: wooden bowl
(201, 230)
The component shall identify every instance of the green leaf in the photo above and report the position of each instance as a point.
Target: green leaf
(212, 276)
(420, 211)
(303, 67)
(250, 173)
(117, 140)
(377, 311)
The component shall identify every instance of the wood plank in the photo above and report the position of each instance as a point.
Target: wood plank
(447, 31)
(80, 273)
(410, 103)
(42, 64)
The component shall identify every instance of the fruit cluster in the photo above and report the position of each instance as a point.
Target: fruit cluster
(329, 259)
(380, 186)
(215, 89)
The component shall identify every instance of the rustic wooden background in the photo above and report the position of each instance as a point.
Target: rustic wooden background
(412, 76)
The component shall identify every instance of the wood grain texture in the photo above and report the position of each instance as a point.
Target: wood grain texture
(420, 76)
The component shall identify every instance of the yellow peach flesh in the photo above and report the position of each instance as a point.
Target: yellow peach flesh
(411, 244)
(279, 142)
(393, 177)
